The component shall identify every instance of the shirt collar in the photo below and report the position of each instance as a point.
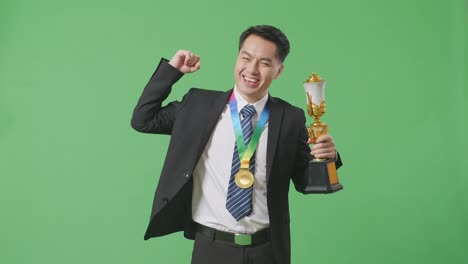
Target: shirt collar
(241, 102)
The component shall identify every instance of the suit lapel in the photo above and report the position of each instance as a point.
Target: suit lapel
(274, 125)
(216, 107)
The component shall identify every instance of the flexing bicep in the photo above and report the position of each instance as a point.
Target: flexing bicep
(149, 116)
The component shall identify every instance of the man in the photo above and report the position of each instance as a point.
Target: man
(231, 157)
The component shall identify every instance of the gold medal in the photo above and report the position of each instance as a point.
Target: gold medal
(244, 179)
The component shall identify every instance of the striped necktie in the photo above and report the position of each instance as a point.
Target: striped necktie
(239, 201)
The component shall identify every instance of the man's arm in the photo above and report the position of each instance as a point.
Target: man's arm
(324, 148)
(149, 116)
(303, 156)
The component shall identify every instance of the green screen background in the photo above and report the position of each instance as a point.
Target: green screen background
(76, 182)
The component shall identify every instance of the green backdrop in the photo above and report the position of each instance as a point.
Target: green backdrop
(76, 182)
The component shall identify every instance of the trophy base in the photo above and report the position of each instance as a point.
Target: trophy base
(321, 177)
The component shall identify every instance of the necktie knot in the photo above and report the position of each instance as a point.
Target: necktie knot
(248, 111)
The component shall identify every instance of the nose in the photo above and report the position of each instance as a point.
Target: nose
(252, 68)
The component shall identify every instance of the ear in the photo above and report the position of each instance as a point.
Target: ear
(280, 70)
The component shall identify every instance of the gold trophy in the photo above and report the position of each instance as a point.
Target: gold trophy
(321, 175)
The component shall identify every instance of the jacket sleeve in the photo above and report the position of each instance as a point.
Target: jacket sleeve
(302, 159)
(149, 116)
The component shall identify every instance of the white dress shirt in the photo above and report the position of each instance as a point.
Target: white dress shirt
(213, 170)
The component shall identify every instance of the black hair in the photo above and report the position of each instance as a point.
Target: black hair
(268, 33)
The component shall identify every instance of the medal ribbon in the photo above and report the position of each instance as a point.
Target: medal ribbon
(246, 152)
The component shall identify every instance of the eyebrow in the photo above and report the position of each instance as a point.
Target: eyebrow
(250, 55)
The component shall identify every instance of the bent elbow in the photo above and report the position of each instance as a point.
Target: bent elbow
(137, 126)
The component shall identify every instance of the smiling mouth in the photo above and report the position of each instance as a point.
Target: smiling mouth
(250, 81)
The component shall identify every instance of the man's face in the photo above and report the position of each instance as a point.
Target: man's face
(256, 67)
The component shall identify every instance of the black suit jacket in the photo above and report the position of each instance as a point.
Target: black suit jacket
(190, 124)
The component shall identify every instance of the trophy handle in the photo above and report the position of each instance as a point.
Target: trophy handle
(310, 109)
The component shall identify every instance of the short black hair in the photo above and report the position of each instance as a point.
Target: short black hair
(270, 33)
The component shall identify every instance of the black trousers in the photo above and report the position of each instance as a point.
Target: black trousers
(209, 251)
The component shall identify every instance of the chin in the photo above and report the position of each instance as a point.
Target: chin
(248, 91)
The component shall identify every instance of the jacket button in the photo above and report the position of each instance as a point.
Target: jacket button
(165, 200)
(186, 175)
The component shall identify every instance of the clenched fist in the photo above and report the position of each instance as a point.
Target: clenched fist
(185, 61)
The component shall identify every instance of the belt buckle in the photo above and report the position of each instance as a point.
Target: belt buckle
(243, 239)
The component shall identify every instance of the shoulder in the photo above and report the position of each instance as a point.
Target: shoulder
(204, 92)
(202, 99)
(288, 108)
(199, 94)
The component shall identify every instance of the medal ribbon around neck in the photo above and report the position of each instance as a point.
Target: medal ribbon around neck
(246, 153)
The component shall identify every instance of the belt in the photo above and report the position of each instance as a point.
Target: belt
(256, 238)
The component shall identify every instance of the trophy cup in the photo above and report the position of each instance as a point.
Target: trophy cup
(321, 174)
